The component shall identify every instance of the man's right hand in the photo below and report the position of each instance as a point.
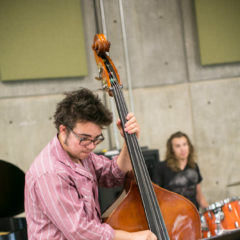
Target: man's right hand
(141, 235)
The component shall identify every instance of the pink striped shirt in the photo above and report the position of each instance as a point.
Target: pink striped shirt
(61, 197)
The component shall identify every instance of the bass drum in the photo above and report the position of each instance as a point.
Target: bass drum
(222, 216)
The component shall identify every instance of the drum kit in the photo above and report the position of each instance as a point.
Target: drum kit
(222, 217)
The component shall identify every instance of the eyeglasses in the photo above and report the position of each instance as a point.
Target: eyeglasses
(85, 141)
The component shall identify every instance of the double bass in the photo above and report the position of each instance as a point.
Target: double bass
(145, 206)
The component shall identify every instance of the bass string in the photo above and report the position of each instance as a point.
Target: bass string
(122, 108)
(140, 168)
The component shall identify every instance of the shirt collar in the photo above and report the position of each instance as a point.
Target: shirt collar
(64, 158)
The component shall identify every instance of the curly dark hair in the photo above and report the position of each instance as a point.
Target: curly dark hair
(81, 106)
(170, 156)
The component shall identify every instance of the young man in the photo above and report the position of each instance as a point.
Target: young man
(61, 188)
(179, 172)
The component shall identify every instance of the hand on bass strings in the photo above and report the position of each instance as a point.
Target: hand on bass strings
(131, 126)
(141, 235)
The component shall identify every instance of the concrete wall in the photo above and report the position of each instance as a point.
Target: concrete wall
(171, 91)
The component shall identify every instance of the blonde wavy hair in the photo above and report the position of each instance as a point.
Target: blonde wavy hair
(172, 162)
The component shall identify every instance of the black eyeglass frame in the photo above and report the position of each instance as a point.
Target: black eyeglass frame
(87, 140)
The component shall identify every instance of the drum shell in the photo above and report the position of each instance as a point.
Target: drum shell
(204, 228)
(223, 215)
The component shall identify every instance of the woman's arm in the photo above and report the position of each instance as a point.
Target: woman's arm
(200, 197)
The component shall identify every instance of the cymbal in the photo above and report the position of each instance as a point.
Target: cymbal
(233, 184)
